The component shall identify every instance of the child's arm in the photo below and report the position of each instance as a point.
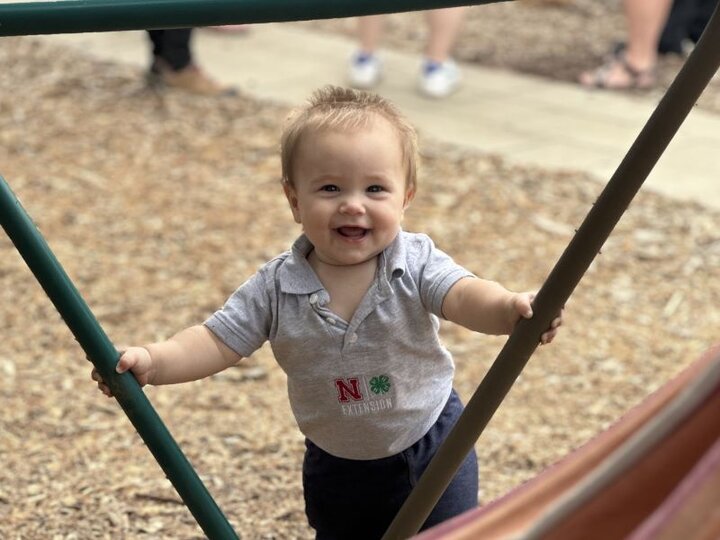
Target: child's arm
(488, 307)
(193, 353)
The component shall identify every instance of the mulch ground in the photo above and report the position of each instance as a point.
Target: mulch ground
(159, 205)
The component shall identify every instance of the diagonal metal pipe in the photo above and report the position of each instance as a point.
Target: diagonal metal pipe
(103, 354)
(650, 144)
(73, 16)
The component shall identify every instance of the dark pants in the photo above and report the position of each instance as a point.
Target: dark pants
(172, 46)
(687, 20)
(349, 499)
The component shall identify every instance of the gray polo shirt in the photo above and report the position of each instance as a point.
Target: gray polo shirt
(360, 389)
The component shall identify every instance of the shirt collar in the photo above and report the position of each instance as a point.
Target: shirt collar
(392, 259)
(297, 276)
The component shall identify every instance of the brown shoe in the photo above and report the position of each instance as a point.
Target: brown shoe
(189, 79)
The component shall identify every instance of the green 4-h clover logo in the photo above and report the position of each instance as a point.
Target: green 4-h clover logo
(380, 384)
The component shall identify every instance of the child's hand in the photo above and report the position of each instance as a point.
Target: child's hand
(522, 308)
(134, 359)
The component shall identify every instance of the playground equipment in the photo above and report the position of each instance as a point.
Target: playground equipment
(106, 15)
(70, 16)
(653, 475)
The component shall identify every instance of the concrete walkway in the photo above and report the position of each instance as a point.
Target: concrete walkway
(527, 120)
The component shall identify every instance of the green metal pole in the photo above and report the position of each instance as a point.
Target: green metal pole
(103, 354)
(570, 268)
(72, 16)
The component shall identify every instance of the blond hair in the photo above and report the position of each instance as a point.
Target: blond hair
(333, 107)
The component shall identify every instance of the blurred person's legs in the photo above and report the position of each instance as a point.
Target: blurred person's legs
(173, 66)
(703, 13)
(370, 30)
(365, 65)
(444, 26)
(645, 20)
(171, 48)
(634, 65)
(677, 27)
(440, 75)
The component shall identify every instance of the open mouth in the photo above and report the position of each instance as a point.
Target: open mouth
(352, 233)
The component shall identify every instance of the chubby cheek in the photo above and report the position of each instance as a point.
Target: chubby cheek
(391, 218)
(301, 211)
(312, 218)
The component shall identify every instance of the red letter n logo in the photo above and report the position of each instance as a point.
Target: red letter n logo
(348, 389)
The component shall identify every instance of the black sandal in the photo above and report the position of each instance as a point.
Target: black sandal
(635, 79)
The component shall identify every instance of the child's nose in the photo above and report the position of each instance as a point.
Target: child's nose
(352, 205)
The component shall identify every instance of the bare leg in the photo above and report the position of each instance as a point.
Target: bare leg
(439, 76)
(444, 26)
(369, 31)
(365, 70)
(645, 21)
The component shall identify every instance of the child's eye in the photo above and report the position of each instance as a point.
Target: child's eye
(376, 189)
(330, 188)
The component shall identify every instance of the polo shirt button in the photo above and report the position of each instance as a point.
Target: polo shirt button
(330, 320)
(313, 298)
(353, 338)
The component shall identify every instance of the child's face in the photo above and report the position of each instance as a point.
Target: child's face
(349, 193)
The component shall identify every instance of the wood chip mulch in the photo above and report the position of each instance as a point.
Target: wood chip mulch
(159, 205)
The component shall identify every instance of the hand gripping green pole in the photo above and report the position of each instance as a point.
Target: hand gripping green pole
(652, 141)
(98, 348)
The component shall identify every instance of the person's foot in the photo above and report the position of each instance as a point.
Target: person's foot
(365, 70)
(617, 73)
(439, 79)
(189, 79)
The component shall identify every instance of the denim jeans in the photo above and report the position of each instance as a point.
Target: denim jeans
(348, 499)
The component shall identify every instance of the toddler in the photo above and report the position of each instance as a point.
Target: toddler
(352, 314)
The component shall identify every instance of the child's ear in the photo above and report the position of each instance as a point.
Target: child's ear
(409, 196)
(292, 200)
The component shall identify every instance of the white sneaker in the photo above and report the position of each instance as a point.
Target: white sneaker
(365, 70)
(439, 79)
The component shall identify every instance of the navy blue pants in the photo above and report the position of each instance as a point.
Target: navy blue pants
(348, 499)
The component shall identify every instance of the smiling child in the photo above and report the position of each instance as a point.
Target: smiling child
(352, 313)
